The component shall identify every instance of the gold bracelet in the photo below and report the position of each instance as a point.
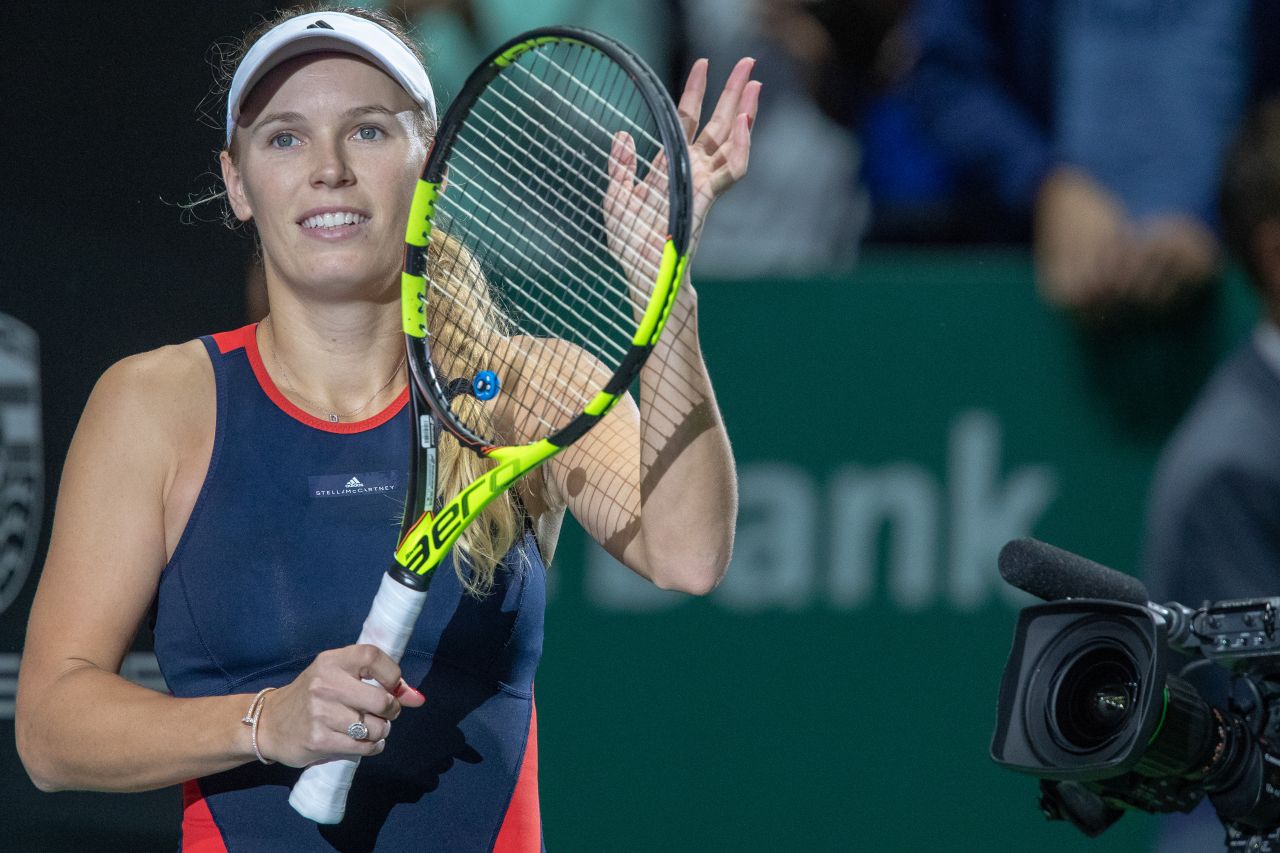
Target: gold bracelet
(251, 718)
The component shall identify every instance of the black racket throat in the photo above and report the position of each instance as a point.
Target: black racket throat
(420, 480)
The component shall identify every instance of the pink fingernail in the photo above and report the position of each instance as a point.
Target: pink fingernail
(404, 688)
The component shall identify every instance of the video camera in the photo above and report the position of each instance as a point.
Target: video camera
(1094, 702)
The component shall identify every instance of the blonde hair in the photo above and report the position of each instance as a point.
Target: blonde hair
(457, 336)
(463, 320)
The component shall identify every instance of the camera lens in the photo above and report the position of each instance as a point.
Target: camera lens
(1095, 696)
(1084, 692)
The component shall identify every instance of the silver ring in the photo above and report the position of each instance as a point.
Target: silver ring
(357, 731)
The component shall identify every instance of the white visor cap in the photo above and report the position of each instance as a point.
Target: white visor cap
(336, 31)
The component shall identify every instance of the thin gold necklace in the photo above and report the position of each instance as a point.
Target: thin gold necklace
(333, 417)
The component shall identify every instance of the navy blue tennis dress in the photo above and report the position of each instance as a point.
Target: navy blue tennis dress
(284, 550)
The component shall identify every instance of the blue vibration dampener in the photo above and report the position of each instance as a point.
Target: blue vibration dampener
(485, 385)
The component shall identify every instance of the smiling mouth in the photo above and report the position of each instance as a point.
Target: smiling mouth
(334, 220)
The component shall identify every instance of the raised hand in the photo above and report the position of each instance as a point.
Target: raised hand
(718, 153)
(635, 210)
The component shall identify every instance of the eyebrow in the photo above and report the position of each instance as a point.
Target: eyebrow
(296, 117)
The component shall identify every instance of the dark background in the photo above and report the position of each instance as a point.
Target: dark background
(102, 140)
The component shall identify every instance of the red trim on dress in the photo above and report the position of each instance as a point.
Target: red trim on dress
(200, 833)
(247, 337)
(233, 340)
(521, 830)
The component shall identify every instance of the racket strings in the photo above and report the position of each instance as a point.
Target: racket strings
(547, 294)
(586, 245)
(538, 286)
(588, 375)
(572, 221)
(577, 216)
(458, 339)
(468, 364)
(588, 165)
(585, 164)
(568, 77)
(624, 92)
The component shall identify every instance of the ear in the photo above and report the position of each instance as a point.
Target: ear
(234, 182)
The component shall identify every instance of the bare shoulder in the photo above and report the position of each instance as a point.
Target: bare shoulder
(156, 385)
(170, 374)
(160, 402)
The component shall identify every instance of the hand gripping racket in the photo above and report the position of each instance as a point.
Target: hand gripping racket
(546, 241)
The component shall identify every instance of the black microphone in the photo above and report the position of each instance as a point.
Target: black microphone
(1051, 574)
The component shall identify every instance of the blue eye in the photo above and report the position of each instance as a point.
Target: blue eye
(283, 140)
(368, 134)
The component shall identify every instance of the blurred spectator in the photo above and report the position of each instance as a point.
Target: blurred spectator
(1213, 527)
(1095, 125)
(804, 210)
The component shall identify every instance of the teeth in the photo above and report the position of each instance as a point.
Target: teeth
(334, 220)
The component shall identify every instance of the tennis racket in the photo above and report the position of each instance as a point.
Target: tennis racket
(546, 242)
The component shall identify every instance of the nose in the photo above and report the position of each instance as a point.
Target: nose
(331, 168)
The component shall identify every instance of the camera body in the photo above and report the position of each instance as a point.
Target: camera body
(1092, 702)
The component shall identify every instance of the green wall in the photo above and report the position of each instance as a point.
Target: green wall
(837, 691)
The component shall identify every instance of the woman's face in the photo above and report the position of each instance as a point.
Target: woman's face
(325, 165)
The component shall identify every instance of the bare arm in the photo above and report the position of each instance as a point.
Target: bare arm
(79, 724)
(655, 483)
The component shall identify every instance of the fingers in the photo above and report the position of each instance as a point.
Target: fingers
(332, 734)
(311, 718)
(374, 664)
(728, 107)
(339, 708)
(740, 149)
(619, 197)
(408, 697)
(370, 691)
(750, 103)
(622, 158)
(367, 682)
(622, 172)
(690, 106)
(375, 728)
(367, 698)
(721, 151)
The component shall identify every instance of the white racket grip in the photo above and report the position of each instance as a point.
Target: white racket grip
(320, 793)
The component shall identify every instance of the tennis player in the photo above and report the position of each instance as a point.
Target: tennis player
(249, 485)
